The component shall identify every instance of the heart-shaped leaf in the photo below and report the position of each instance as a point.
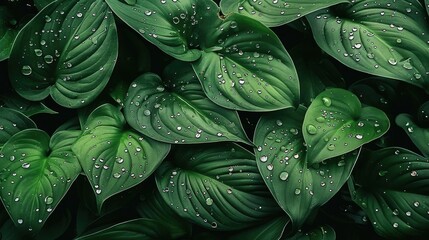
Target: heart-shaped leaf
(11, 122)
(417, 134)
(8, 32)
(244, 66)
(137, 229)
(393, 191)
(72, 64)
(215, 186)
(37, 172)
(388, 39)
(336, 123)
(298, 185)
(275, 12)
(324, 232)
(170, 25)
(176, 110)
(114, 157)
(272, 229)
(28, 108)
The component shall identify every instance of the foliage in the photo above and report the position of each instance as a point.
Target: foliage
(202, 119)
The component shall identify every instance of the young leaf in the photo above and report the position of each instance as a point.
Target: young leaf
(417, 134)
(113, 157)
(274, 13)
(393, 191)
(216, 187)
(388, 39)
(176, 110)
(68, 50)
(298, 185)
(170, 25)
(137, 229)
(272, 229)
(336, 123)
(36, 174)
(11, 122)
(244, 66)
(7, 32)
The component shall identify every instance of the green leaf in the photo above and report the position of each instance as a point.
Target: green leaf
(427, 6)
(272, 229)
(169, 25)
(274, 13)
(336, 123)
(40, 4)
(299, 186)
(176, 110)
(137, 229)
(37, 172)
(12, 122)
(114, 157)
(417, 134)
(244, 66)
(154, 207)
(72, 64)
(8, 32)
(393, 191)
(388, 39)
(215, 186)
(324, 232)
(28, 108)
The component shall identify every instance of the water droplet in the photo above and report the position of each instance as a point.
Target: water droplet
(48, 59)
(214, 225)
(279, 123)
(395, 225)
(98, 191)
(233, 24)
(49, 200)
(26, 165)
(79, 14)
(26, 70)
(263, 158)
(147, 12)
(341, 163)
(360, 124)
(320, 119)
(270, 167)
(38, 52)
(416, 204)
(284, 176)
(327, 101)
(359, 136)
(297, 191)
(392, 61)
(116, 175)
(358, 45)
(382, 173)
(20, 221)
(209, 201)
(331, 147)
(47, 18)
(146, 112)
(408, 213)
(311, 129)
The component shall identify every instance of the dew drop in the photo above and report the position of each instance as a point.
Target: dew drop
(26, 165)
(392, 61)
(320, 119)
(297, 191)
(331, 147)
(263, 158)
(146, 112)
(20, 221)
(395, 225)
(284, 176)
(359, 136)
(38, 52)
(209, 201)
(311, 129)
(327, 101)
(341, 163)
(49, 200)
(48, 59)
(26, 70)
(98, 191)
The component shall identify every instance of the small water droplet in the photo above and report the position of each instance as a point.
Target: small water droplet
(98, 191)
(49, 200)
(395, 225)
(359, 136)
(320, 119)
(331, 147)
(382, 173)
(311, 129)
(26, 165)
(48, 59)
(38, 52)
(297, 191)
(416, 204)
(392, 61)
(20, 221)
(327, 101)
(263, 158)
(146, 112)
(26, 70)
(209, 201)
(341, 163)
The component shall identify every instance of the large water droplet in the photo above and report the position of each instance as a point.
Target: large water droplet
(331, 147)
(48, 59)
(311, 129)
(263, 158)
(26, 70)
(49, 200)
(284, 176)
(209, 201)
(26, 165)
(327, 101)
(38, 52)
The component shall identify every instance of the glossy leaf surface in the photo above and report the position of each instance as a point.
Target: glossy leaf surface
(38, 171)
(387, 39)
(176, 110)
(7, 32)
(336, 123)
(298, 185)
(67, 51)
(114, 157)
(216, 187)
(12, 122)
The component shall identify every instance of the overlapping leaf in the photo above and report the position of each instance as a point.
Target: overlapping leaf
(37, 172)
(388, 39)
(276, 12)
(298, 185)
(417, 134)
(393, 191)
(324, 232)
(12, 122)
(176, 110)
(336, 123)
(20, 104)
(7, 32)
(244, 66)
(216, 187)
(170, 25)
(114, 157)
(272, 229)
(67, 51)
